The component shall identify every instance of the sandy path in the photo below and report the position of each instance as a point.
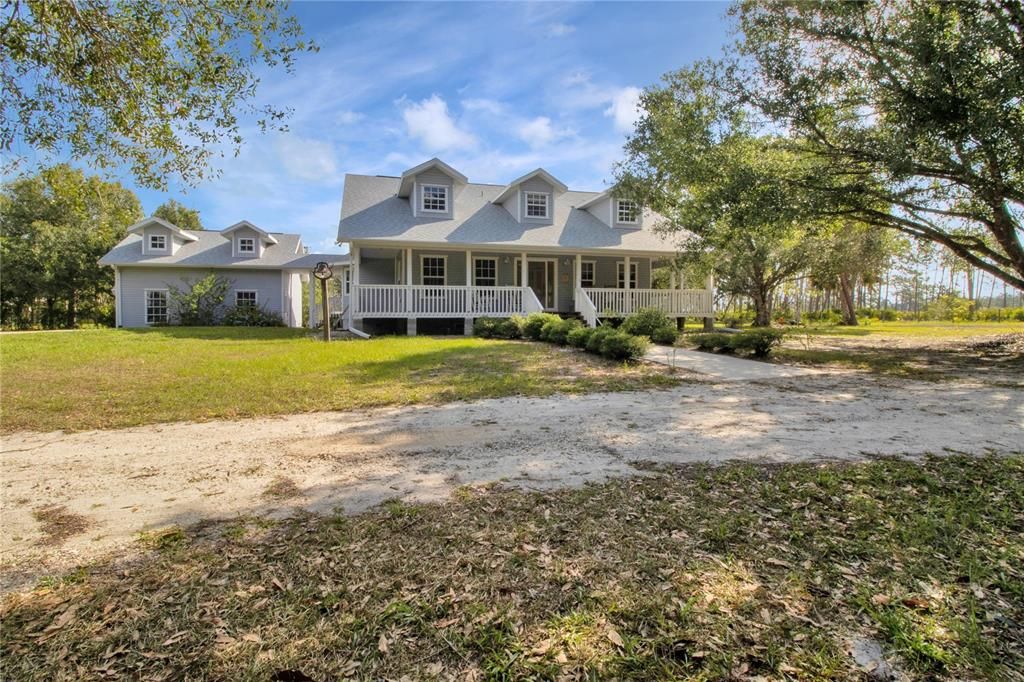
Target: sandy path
(129, 480)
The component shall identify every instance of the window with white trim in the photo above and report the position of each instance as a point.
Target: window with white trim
(485, 272)
(156, 306)
(246, 245)
(157, 242)
(627, 211)
(536, 205)
(348, 280)
(246, 298)
(434, 198)
(587, 274)
(632, 274)
(433, 270)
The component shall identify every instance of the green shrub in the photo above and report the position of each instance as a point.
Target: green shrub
(713, 341)
(666, 336)
(618, 345)
(887, 315)
(558, 331)
(597, 338)
(495, 328)
(251, 316)
(579, 336)
(645, 322)
(535, 322)
(758, 341)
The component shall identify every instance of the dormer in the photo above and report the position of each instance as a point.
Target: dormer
(431, 188)
(159, 237)
(247, 240)
(531, 198)
(615, 211)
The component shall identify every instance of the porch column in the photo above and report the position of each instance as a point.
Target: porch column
(407, 258)
(577, 277)
(672, 279)
(709, 293)
(354, 268)
(522, 269)
(469, 268)
(314, 310)
(625, 275)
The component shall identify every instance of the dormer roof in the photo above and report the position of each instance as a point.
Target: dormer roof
(140, 226)
(264, 235)
(405, 187)
(510, 188)
(595, 199)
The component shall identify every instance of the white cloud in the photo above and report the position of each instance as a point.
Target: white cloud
(482, 104)
(539, 132)
(348, 117)
(306, 158)
(558, 30)
(625, 108)
(430, 122)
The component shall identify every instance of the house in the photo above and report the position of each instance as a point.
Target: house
(431, 246)
(265, 269)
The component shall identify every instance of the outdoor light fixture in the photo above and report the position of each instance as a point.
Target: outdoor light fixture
(323, 271)
(506, 260)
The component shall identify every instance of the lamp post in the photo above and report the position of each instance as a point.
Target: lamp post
(323, 272)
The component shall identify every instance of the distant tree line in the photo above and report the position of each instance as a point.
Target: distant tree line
(54, 227)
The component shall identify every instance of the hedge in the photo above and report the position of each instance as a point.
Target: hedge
(759, 342)
(613, 344)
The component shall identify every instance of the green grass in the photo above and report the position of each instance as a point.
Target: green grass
(693, 572)
(919, 330)
(114, 378)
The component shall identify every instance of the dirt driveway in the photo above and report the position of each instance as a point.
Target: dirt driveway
(70, 498)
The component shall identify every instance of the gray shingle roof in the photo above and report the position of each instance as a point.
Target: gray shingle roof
(213, 249)
(370, 210)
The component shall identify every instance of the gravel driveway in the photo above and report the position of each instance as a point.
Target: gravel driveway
(110, 485)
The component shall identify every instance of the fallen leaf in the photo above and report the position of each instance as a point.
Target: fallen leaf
(615, 637)
(880, 599)
(252, 637)
(561, 657)
(382, 644)
(915, 602)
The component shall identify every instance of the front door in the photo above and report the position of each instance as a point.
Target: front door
(540, 276)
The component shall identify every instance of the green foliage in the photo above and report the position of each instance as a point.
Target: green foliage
(179, 215)
(579, 337)
(666, 336)
(54, 227)
(251, 316)
(199, 303)
(759, 342)
(497, 328)
(597, 337)
(652, 323)
(558, 332)
(156, 87)
(713, 341)
(618, 345)
(534, 324)
(940, 156)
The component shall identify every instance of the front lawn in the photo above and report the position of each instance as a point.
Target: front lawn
(737, 572)
(114, 378)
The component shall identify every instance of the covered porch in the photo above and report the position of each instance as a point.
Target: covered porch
(415, 283)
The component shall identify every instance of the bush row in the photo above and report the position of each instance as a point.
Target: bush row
(758, 342)
(614, 344)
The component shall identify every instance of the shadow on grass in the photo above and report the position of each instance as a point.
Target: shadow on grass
(220, 333)
(692, 572)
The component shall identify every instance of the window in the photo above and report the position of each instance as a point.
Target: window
(245, 299)
(587, 274)
(156, 306)
(435, 198)
(485, 272)
(627, 211)
(632, 275)
(246, 245)
(348, 280)
(433, 270)
(157, 242)
(536, 205)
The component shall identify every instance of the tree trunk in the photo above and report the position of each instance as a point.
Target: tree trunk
(50, 323)
(762, 308)
(846, 301)
(72, 315)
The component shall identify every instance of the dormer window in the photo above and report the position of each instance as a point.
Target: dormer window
(247, 245)
(627, 212)
(536, 205)
(157, 242)
(434, 199)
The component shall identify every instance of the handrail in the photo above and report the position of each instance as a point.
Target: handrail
(585, 307)
(531, 304)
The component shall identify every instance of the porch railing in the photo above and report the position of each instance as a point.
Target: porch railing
(673, 302)
(585, 307)
(399, 300)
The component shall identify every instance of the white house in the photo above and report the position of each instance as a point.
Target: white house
(430, 246)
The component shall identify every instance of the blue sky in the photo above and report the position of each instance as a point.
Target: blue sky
(494, 89)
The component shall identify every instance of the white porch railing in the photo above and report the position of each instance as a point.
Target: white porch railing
(399, 300)
(592, 303)
(585, 307)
